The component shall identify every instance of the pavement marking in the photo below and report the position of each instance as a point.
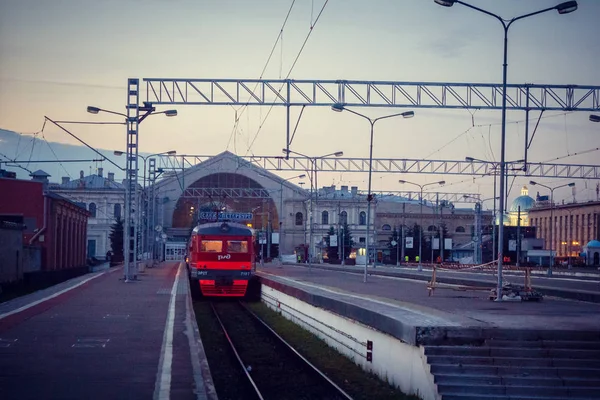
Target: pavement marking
(162, 388)
(116, 316)
(7, 342)
(35, 303)
(91, 343)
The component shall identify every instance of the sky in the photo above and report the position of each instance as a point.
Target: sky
(57, 57)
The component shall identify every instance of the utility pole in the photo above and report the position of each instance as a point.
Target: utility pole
(402, 230)
(519, 236)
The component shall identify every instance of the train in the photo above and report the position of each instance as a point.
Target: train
(221, 260)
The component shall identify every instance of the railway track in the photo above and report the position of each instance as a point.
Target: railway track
(275, 370)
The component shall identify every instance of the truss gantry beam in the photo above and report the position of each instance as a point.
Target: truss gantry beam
(406, 166)
(220, 193)
(279, 92)
(431, 197)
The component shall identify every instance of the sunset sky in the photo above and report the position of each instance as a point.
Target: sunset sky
(57, 57)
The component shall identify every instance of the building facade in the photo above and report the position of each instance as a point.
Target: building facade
(575, 225)
(104, 198)
(54, 224)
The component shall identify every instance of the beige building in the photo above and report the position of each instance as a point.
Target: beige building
(575, 225)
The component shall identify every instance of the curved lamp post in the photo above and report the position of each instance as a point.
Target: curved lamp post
(421, 187)
(552, 189)
(313, 183)
(562, 8)
(406, 114)
(131, 173)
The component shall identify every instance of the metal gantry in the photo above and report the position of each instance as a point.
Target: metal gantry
(131, 178)
(353, 93)
(406, 166)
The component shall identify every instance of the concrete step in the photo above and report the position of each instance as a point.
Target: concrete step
(508, 371)
(564, 392)
(467, 396)
(517, 352)
(458, 378)
(513, 361)
(537, 334)
(545, 344)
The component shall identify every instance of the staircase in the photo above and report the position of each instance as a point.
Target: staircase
(535, 365)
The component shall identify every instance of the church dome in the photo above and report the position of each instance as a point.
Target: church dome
(593, 243)
(506, 219)
(524, 201)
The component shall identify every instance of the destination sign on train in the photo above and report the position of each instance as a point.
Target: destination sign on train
(211, 215)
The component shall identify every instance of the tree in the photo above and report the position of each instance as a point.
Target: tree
(116, 240)
(332, 251)
(347, 240)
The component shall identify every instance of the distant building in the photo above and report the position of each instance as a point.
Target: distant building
(103, 197)
(575, 225)
(53, 227)
(523, 203)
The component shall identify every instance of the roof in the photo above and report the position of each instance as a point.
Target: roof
(39, 172)
(56, 196)
(91, 182)
(593, 243)
(525, 202)
(223, 228)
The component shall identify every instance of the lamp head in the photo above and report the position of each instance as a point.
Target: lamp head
(93, 110)
(566, 7)
(402, 181)
(337, 107)
(442, 182)
(118, 153)
(469, 159)
(285, 151)
(595, 118)
(445, 3)
(301, 176)
(171, 113)
(572, 184)
(338, 153)
(533, 183)
(171, 152)
(408, 114)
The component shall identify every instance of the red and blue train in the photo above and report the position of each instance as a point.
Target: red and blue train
(221, 259)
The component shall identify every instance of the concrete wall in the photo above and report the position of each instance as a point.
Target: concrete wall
(399, 363)
(32, 259)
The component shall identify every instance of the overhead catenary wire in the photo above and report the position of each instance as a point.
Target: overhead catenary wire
(312, 25)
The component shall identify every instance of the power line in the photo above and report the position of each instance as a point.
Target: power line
(288, 74)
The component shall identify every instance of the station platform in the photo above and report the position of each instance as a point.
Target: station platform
(97, 337)
(403, 308)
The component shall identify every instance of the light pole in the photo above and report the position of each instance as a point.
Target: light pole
(406, 114)
(143, 214)
(420, 265)
(313, 183)
(131, 171)
(552, 189)
(281, 227)
(563, 8)
(480, 210)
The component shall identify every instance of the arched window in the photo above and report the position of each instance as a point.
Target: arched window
(343, 217)
(460, 229)
(386, 227)
(432, 228)
(324, 218)
(299, 218)
(362, 218)
(92, 210)
(117, 211)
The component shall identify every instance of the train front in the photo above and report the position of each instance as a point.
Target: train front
(221, 259)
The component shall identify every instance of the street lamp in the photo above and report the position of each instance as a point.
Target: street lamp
(406, 114)
(479, 211)
(131, 171)
(551, 217)
(563, 8)
(170, 153)
(420, 265)
(313, 172)
(595, 118)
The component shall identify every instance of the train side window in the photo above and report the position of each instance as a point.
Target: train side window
(237, 246)
(211, 246)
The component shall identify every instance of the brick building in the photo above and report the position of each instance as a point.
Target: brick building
(51, 222)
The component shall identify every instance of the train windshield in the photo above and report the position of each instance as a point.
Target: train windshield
(211, 246)
(237, 246)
